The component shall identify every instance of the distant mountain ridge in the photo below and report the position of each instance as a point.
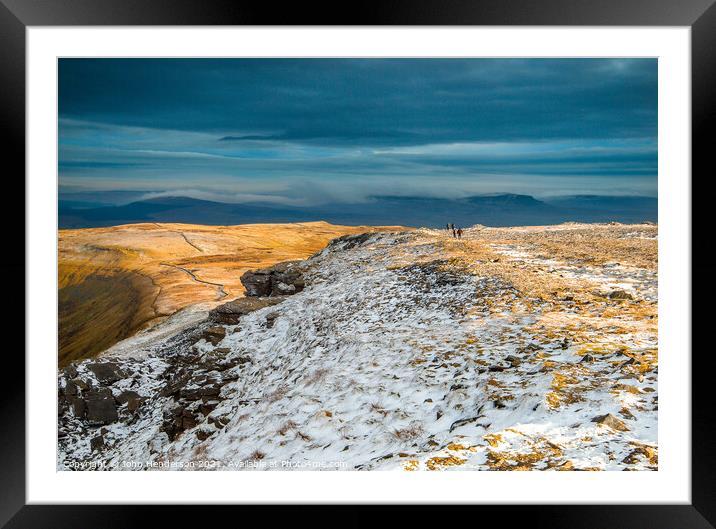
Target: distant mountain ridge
(503, 209)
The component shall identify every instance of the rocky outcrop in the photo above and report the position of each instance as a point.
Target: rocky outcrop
(230, 313)
(282, 279)
(187, 386)
(194, 387)
(346, 242)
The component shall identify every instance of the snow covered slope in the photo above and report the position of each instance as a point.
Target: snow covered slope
(406, 351)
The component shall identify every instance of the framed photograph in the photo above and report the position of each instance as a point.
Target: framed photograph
(426, 254)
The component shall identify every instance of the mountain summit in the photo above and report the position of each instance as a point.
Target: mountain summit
(404, 351)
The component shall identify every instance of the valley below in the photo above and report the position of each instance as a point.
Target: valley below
(320, 347)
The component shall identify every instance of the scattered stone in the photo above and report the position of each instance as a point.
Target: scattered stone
(203, 435)
(624, 412)
(462, 422)
(270, 319)
(97, 443)
(513, 360)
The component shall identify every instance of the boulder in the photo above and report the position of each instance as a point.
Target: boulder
(80, 383)
(230, 313)
(513, 360)
(126, 396)
(134, 403)
(70, 388)
(203, 435)
(97, 443)
(219, 421)
(176, 420)
(282, 279)
(619, 295)
(271, 319)
(106, 372)
(131, 398)
(611, 421)
(101, 408)
(77, 405)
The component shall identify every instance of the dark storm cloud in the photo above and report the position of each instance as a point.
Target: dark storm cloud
(258, 123)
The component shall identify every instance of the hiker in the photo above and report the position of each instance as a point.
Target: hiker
(447, 227)
(454, 233)
(459, 233)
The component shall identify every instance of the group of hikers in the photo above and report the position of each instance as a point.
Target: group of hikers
(456, 232)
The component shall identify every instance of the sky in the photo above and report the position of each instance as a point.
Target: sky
(314, 131)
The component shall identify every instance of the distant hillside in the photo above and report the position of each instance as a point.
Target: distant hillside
(491, 210)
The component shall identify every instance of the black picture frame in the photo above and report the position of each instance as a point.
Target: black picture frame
(16, 15)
